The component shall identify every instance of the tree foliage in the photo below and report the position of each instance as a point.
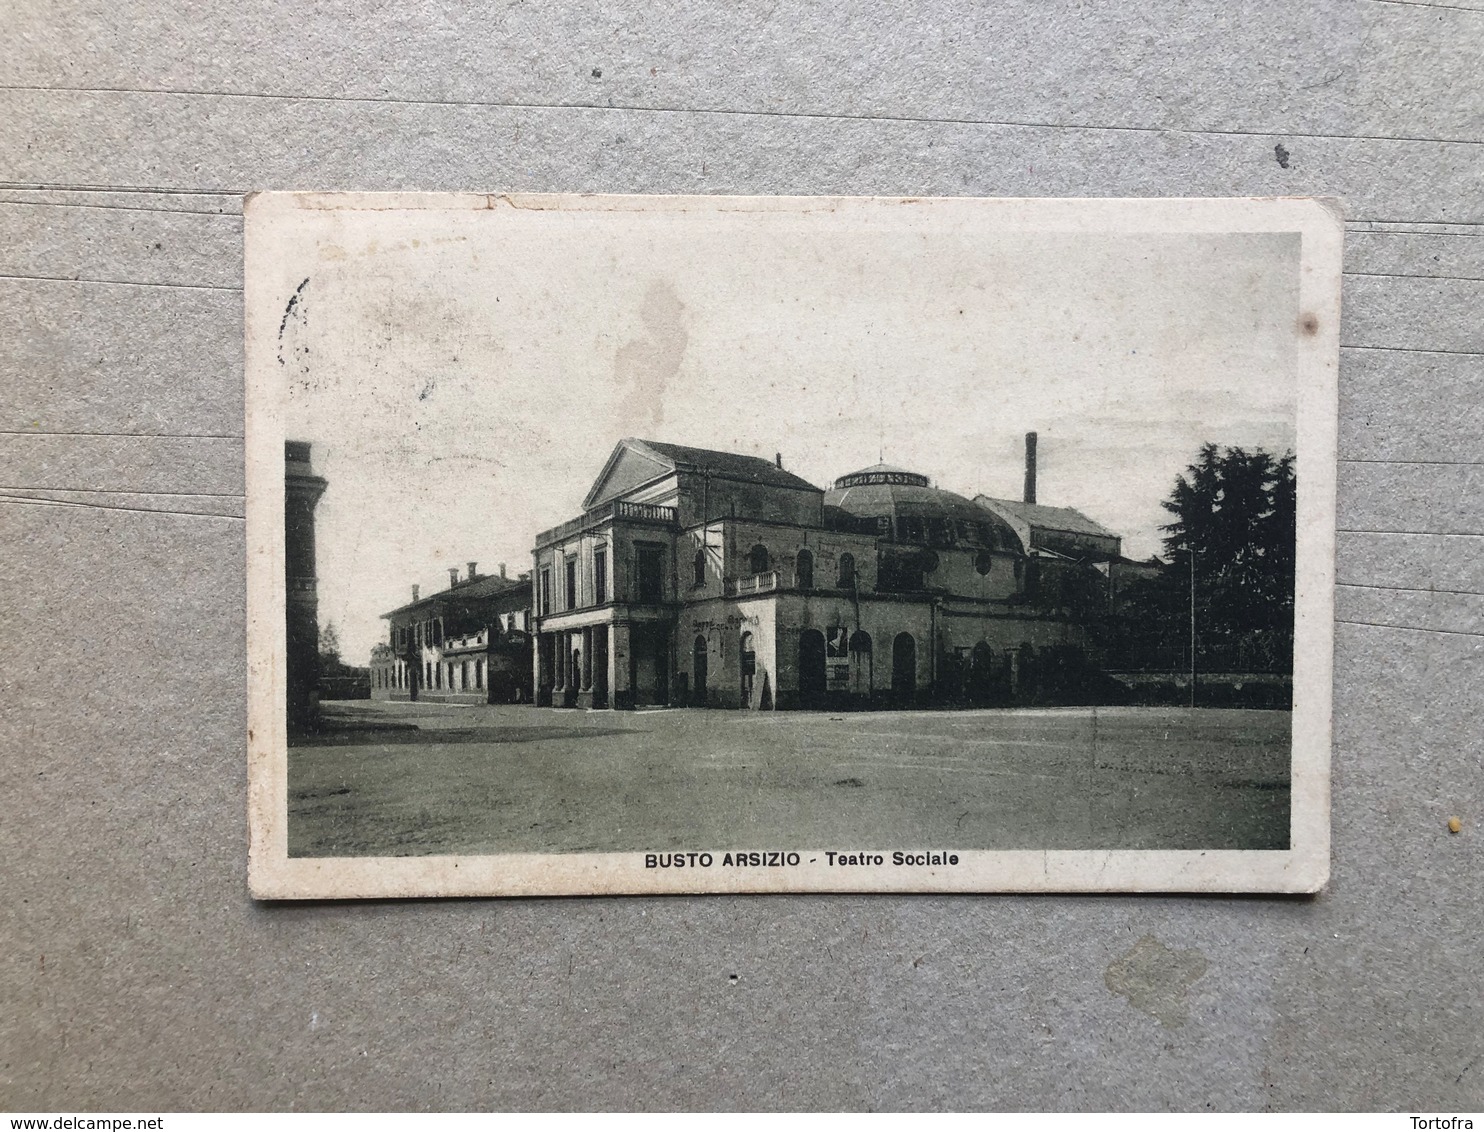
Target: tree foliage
(329, 641)
(1234, 511)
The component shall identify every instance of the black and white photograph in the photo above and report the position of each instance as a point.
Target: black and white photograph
(643, 544)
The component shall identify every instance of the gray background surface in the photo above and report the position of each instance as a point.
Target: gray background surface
(135, 972)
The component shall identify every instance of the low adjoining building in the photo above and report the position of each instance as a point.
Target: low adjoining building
(469, 643)
(709, 578)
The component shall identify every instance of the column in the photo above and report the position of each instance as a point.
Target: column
(570, 675)
(540, 655)
(620, 693)
(582, 677)
(601, 647)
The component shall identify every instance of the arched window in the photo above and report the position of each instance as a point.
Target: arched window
(805, 570)
(758, 561)
(699, 568)
(847, 570)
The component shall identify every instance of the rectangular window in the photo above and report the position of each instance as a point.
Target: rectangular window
(651, 572)
(600, 576)
(545, 592)
(571, 583)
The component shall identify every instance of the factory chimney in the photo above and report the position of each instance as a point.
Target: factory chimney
(414, 593)
(472, 574)
(1030, 467)
(453, 576)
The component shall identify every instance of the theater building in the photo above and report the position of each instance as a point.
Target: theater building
(703, 578)
(469, 643)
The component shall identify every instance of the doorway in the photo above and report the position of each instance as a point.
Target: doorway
(904, 667)
(649, 664)
(698, 666)
(812, 679)
(749, 668)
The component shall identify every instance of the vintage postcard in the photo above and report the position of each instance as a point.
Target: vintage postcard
(605, 544)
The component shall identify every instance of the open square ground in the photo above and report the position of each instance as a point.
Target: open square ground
(410, 779)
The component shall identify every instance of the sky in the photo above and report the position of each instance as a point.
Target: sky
(464, 375)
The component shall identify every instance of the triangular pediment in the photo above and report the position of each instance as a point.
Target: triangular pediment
(631, 466)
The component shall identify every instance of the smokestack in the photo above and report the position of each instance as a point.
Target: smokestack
(778, 458)
(472, 574)
(1030, 467)
(414, 593)
(502, 569)
(453, 576)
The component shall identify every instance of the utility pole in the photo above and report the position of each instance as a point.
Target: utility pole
(1192, 626)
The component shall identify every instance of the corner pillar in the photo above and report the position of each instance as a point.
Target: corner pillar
(620, 686)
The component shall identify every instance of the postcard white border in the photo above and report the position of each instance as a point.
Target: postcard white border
(1302, 868)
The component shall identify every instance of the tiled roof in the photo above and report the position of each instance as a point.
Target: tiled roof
(754, 469)
(490, 585)
(1050, 518)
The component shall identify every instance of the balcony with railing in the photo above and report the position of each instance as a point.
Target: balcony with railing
(645, 513)
(471, 641)
(755, 584)
(620, 509)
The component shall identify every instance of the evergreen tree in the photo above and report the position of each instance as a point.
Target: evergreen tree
(1236, 512)
(329, 642)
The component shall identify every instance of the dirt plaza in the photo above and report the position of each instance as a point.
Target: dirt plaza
(407, 779)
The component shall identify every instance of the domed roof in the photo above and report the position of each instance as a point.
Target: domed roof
(916, 511)
(882, 474)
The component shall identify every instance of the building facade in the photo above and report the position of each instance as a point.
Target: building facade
(704, 578)
(469, 643)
